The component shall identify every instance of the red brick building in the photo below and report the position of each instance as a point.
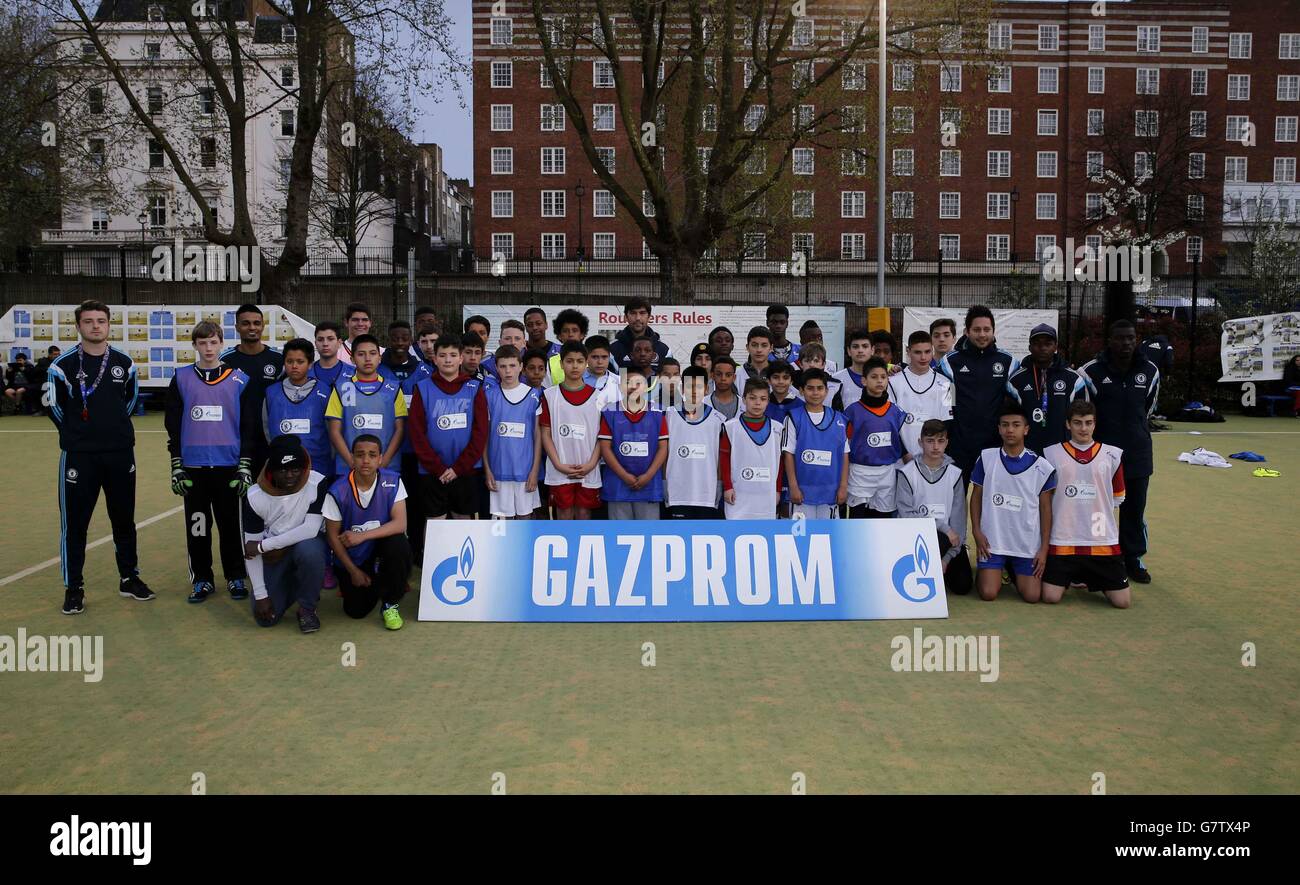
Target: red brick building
(1015, 181)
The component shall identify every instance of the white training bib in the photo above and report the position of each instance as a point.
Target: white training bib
(754, 467)
(1083, 508)
(573, 432)
(1010, 517)
(691, 471)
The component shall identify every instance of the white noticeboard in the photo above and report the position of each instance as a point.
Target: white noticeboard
(1012, 326)
(1258, 348)
(156, 337)
(681, 327)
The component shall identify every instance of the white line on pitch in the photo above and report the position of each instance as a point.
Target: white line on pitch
(93, 544)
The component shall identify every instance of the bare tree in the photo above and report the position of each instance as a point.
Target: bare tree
(404, 41)
(768, 78)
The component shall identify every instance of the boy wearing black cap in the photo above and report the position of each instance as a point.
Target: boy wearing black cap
(283, 547)
(1044, 386)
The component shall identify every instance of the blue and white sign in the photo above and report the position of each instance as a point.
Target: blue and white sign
(706, 570)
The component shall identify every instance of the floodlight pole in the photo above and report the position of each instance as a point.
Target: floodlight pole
(880, 166)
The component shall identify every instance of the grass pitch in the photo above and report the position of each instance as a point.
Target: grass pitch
(1155, 697)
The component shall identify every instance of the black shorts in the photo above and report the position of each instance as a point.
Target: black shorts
(686, 511)
(460, 496)
(1100, 573)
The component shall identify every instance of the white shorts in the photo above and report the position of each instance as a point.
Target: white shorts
(510, 499)
(815, 511)
(873, 486)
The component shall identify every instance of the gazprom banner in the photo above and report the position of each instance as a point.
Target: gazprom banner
(705, 570)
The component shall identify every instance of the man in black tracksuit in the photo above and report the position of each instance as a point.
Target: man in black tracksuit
(262, 364)
(1045, 386)
(637, 314)
(978, 370)
(1125, 386)
(90, 397)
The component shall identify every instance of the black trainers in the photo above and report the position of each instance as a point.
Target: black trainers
(238, 588)
(134, 588)
(1138, 574)
(308, 622)
(202, 590)
(74, 601)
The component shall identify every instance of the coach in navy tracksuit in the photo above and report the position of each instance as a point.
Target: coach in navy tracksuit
(90, 397)
(1125, 386)
(1045, 386)
(979, 370)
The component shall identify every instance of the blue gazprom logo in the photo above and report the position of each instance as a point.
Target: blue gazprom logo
(917, 564)
(457, 568)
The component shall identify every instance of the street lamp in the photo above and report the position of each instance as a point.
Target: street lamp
(578, 191)
(1015, 204)
(880, 162)
(143, 219)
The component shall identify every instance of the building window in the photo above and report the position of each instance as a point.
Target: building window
(902, 204)
(904, 76)
(999, 164)
(1288, 46)
(552, 116)
(853, 247)
(1046, 164)
(552, 161)
(1049, 38)
(1148, 38)
(1146, 124)
(854, 76)
(1288, 87)
(1239, 45)
(1284, 170)
(288, 33)
(853, 161)
(950, 204)
(153, 51)
(1196, 165)
(702, 156)
(1200, 39)
(95, 148)
(606, 157)
(1092, 207)
(503, 31)
(1234, 170)
(904, 161)
(503, 117)
(503, 75)
(999, 35)
(756, 163)
(503, 204)
(602, 117)
(949, 76)
(288, 123)
(903, 120)
(544, 76)
(207, 101)
(1200, 81)
(1047, 122)
(1096, 38)
(553, 204)
(95, 100)
(1195, 207)
(1000, 78)
(853, 119)
(801, 244)
(754, 115)
(602, 74)
(503, 161)
(1238, 128)
(1143, 165)
(158, 211)
(999, 121)
(1045, 207)
(1095, 164)
(998, 206)
(99, 219)
(1285, 129)
(997, 247)
(287, 75)
(853, 204)
(552, 246)
(949, 162)
(602, 204)
(1048, 80)
(155, 154)
(950, 247)
(602, 246)
(208, 153)
(647, 204)
(1096, 121)
(802, 161)
(503, 245)
(1239, 87)
(154, 97)
(801, 204)
(900, 247)
(802, 35)
(708, 117)
(1194, 246)
(802, 75)
(1148, 81)
(1044, 246)
(803, 117)
(756, 245)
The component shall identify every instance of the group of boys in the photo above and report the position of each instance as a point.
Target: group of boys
(367, 443)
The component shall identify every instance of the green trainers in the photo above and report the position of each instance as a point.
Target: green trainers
(392, 620)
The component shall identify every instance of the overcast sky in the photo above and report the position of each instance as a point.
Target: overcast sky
(440, 118)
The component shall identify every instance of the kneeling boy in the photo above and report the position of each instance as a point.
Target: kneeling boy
(930, 487)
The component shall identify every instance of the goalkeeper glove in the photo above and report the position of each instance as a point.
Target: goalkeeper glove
(243, 477)
(181, 482)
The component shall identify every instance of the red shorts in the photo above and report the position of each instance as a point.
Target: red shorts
(574, 494)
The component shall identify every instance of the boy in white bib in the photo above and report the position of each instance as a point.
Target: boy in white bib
(750, 458)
